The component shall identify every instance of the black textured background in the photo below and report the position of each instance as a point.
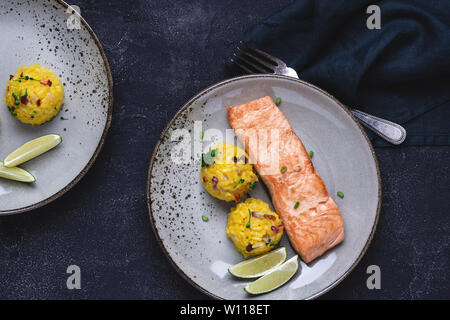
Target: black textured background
(161, 54)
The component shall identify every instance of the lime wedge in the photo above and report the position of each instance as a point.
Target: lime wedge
(258, 266)
(275, 278)
(32, 149)
(16, 174)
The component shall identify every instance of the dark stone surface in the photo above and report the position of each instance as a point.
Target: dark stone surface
(162, 53)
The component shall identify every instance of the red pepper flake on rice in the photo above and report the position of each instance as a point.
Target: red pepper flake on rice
(46, 82)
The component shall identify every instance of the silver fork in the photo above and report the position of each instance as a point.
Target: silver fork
(252, 60)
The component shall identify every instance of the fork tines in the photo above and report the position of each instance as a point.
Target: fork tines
(253, 60)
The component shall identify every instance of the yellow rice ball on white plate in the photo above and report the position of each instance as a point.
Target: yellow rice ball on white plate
(34, 95)
(253, 227)
(226, 172)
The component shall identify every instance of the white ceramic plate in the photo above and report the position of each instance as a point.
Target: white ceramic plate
(37, 32)
(343, 156)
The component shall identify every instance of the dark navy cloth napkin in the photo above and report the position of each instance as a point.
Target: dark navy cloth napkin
(400, 72)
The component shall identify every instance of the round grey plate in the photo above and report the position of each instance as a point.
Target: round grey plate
(38, 32)
(343, 156)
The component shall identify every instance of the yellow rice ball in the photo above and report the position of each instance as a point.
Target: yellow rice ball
(253, 227)
(226, 173)
(34, 95)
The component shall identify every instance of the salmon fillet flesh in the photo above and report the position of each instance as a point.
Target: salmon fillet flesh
(310, 217)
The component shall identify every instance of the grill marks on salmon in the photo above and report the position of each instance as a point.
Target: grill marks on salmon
(316, 225)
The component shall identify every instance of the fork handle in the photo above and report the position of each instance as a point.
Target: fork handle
(391, 132)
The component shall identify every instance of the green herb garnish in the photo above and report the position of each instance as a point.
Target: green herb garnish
(296, 205)
(202, 134)
(205, 218)
(252, 185)
(249, 217)
(62, 118)
(340, 194)
(203, 162)
(311, 154)
(278, 101)
(25, 78)
(239, 182)
(16, 98)
(283, 169)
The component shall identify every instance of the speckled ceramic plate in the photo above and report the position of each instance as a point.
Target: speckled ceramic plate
(343, 156)
(39, 32)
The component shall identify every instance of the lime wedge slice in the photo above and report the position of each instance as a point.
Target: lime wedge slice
(275, 278)
(258, 266)
(32, 149)
(16, 174)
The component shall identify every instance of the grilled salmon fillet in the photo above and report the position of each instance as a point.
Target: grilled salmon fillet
(311, 218)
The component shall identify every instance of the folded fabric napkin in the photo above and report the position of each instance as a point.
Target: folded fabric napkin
(400, 72)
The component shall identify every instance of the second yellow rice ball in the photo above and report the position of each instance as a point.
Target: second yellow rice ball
(253, 227)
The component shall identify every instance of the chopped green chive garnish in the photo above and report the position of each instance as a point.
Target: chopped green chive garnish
(34, 111)
(213, 153)
(62, 118)
(239, 182)
(25, 78)
(249, 217)
(283, 169)
(340, 194)
(202, 134)
(252, 185)
(205, 218)
(278, 101)
(296, 205)
(203, 161)
(311, 154)
(17, 98)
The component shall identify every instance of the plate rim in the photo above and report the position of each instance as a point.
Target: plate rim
(102, 138)
(255, 76)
